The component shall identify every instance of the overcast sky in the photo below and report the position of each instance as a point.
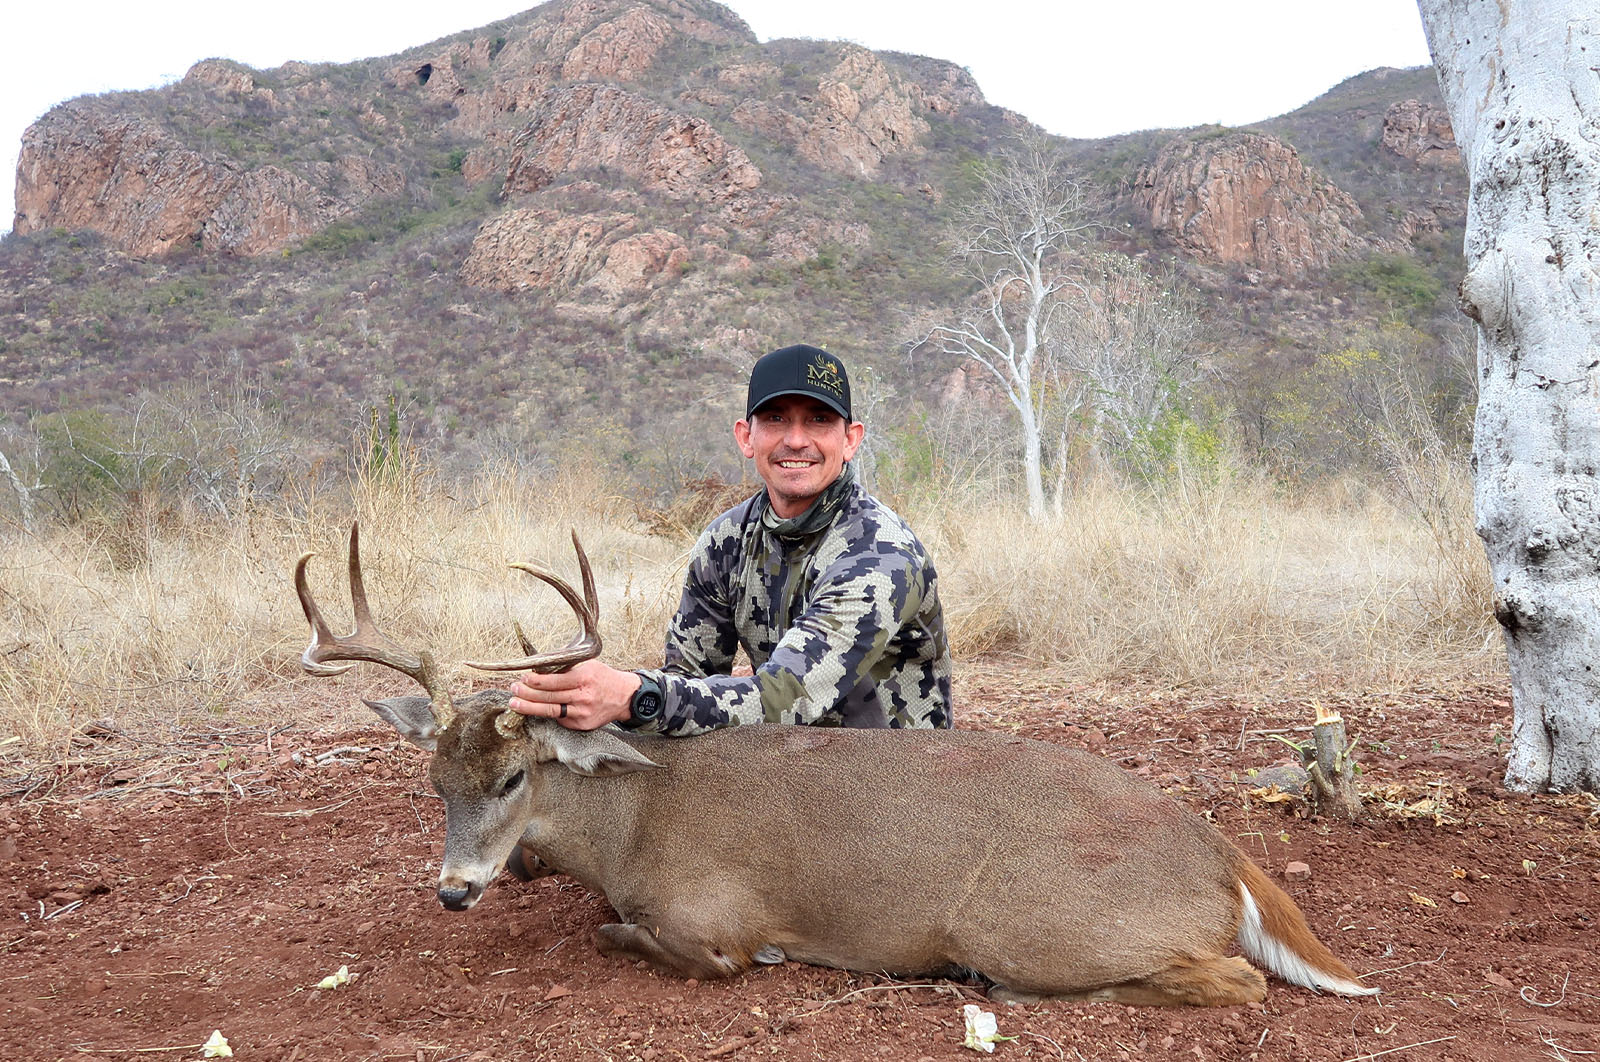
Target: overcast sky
(1078, 69)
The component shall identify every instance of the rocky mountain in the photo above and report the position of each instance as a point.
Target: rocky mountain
(582, 222)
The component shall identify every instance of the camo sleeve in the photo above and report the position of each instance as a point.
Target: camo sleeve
(701, 639)
(833, 649)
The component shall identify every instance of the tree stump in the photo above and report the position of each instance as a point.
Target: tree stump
(1331, 767)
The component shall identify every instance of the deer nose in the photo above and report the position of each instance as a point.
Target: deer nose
(456, 897)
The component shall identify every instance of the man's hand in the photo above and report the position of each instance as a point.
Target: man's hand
(585, 697)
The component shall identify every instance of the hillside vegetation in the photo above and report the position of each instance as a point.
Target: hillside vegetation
(624, 298)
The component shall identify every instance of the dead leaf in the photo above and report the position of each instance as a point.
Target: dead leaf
(557, 991)
(1422, 901)
(1271, 795)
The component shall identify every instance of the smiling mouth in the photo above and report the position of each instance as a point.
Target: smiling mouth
(795, 464)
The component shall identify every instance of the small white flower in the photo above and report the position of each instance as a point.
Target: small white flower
(982, 1030)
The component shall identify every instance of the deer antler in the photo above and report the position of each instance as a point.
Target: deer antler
(365, 643)
(585, 646)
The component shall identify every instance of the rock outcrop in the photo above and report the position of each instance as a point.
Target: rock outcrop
(623, 48)
(125, 177)
(605, 254)
(593, 126)
(635, 262)
(1420, 132)
(860, 114)
(1247, 199)
(222, 74)
(542, 248)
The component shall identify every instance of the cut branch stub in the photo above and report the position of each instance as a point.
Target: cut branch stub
(1332, 768)
(366, 643)
(584, 646)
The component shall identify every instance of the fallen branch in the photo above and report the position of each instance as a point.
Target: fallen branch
(134, 1050)
(1392, 1050)
(947, 989)
(1408, 965)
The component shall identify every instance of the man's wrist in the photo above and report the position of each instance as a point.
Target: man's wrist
(646, 704)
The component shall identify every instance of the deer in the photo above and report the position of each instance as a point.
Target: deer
(1040, 870)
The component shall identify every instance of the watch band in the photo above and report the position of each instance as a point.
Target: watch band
(647, 704)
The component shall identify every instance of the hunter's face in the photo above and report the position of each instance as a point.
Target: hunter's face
(799, 445)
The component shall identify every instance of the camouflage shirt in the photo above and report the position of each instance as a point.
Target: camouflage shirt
(838, 610)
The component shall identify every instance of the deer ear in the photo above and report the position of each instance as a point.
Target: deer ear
(593, 753)
(412, 716)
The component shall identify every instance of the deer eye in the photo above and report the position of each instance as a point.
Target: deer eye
(511, 784)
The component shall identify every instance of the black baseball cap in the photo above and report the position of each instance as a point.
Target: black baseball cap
(799, 370)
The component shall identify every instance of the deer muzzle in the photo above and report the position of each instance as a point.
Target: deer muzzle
(458, 894)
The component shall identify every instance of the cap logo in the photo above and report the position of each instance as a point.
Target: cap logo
(823, 373)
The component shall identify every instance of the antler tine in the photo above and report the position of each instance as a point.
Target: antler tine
(358, 586)
(321, 635)
(589, 596)
(585, 646)
(366, 643)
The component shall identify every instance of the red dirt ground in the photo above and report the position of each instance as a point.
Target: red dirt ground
(157, 887)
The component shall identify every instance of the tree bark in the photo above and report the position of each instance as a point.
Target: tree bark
(1518, 77)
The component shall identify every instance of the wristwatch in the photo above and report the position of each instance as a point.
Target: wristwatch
(647, 702)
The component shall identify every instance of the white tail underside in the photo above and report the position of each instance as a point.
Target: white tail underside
(1263, 949)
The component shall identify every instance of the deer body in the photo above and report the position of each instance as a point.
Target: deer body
(911, 852)
(1048, 871)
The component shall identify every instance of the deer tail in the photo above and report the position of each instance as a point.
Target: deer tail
(1273, 933)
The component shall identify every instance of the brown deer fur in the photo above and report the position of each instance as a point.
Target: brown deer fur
(1045, 870)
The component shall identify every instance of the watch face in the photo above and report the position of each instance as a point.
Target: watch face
(647, 706)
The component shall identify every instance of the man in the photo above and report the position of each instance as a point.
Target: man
(833, 598)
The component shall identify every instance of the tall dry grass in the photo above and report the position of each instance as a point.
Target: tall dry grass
(197, 617)
(182, 617)
(1224, 582)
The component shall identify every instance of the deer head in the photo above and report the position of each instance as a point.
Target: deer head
(482, 749)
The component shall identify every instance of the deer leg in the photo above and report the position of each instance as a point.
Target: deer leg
(679, 953)
(523, 865)
(1215, 982)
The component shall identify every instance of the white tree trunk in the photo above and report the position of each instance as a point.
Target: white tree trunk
(23, 491)
(1519, 79)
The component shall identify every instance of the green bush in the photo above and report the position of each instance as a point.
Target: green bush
(1398, 279)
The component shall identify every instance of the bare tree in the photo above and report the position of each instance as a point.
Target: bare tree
(1125, 352)
(1518, 79)
(1081, 341)
(23, 491)
(1016, 240)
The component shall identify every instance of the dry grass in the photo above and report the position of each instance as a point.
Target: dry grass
(178, 618)
(1215, 585)
(207, 620)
